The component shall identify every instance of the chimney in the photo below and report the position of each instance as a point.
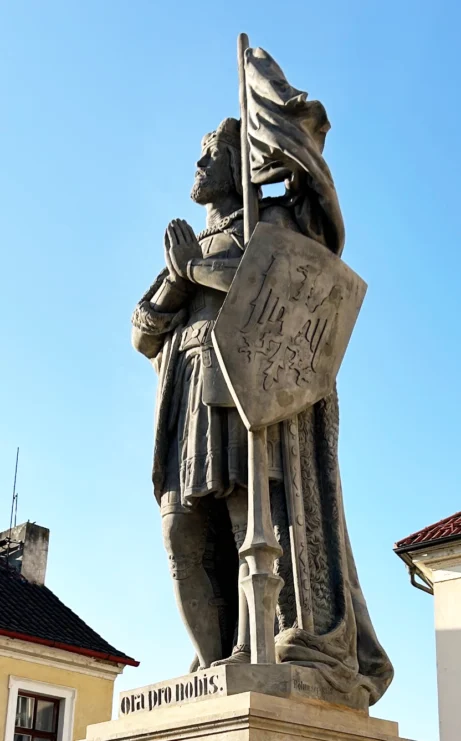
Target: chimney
(26, 547)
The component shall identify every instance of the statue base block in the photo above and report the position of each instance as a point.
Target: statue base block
(248, 716)
(279, 680)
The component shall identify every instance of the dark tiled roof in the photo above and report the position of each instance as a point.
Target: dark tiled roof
(33, 613)
(447, 528)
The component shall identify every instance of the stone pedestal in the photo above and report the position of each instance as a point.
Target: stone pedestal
(279, 680)
(246, 716)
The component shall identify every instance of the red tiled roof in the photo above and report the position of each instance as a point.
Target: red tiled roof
(447, 528)
(31, 612)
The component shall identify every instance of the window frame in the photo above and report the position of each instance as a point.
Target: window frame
(33, 731)
(66, 708)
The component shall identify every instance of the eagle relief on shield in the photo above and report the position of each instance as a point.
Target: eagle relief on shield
(285, 324)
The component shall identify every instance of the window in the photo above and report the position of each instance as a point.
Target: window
(36, 717)
(38, 711)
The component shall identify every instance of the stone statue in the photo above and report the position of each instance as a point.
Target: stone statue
(200, 470)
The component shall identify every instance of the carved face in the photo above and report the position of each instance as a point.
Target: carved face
(213, 177)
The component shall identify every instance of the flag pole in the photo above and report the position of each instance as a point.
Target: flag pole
(260, 547)
(250, 192)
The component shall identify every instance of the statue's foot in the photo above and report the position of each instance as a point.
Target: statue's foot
(240, 655)
(196, 666)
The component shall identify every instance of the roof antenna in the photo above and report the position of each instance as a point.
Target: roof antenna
(14, 508)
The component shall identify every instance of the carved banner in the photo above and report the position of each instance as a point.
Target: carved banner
(284, 327)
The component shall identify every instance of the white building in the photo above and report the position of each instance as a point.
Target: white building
(433, 558)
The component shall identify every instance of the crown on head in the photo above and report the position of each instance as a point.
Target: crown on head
(228, 132)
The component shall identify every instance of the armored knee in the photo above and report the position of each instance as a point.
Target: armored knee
(239, 532)
(237, 505)
(184, 543)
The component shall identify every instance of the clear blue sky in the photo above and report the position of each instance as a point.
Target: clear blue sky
(103, 107)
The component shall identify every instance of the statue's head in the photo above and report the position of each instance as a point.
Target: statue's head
(219, 170)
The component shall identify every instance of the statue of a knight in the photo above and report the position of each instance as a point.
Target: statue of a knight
(200, 461)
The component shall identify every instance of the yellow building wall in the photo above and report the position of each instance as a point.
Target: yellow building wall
(93, 703)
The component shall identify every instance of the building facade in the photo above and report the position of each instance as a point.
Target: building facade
(56, 673)
(433, 559)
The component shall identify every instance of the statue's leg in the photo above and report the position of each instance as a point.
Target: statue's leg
(237, 505)
(184, 536)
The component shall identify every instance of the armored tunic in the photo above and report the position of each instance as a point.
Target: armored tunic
(208, 442)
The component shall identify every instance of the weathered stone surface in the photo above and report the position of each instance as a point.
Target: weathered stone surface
(31, 554)
(284, 327)
(271, 679)
(248, 716)
(245, 512)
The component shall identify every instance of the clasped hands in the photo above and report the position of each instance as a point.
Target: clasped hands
(181, 246)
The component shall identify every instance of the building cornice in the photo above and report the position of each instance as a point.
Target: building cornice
(424, 545)
(434, 562)
(36, 653)
(93, 653)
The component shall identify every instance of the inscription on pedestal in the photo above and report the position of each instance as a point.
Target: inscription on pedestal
(190, 688)
(279, 680)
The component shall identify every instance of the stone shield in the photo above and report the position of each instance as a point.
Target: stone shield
(285, 324)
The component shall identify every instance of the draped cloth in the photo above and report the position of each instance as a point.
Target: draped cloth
(343, 646)
(286, 134)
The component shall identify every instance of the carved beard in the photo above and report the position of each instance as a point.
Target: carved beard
(207, 189)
